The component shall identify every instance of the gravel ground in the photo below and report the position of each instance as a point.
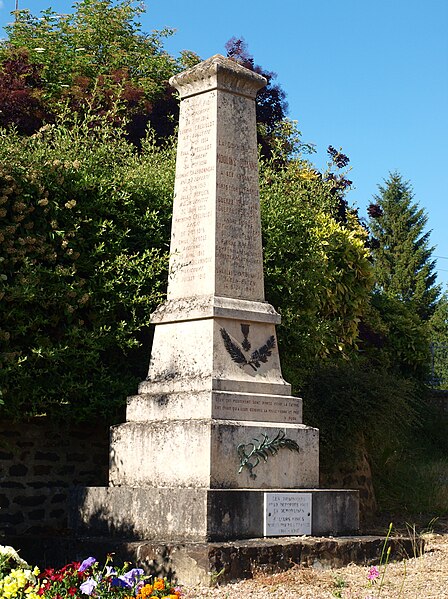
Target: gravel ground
(424, 577)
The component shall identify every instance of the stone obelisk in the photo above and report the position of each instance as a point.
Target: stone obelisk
(214, 427)
(214, 375)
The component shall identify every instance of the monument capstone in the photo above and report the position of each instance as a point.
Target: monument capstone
(213, 447)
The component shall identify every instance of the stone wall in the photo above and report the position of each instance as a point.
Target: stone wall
(39, 461)
(354, 476)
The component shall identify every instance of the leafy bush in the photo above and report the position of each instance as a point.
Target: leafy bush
(355, 406)
(83, 253)
(317, 270)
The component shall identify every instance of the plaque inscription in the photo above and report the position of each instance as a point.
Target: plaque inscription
(287, 514)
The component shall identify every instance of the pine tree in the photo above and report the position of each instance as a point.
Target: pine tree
(403, 262)
(438, 327)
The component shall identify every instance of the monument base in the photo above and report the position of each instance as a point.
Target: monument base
(206, 564)
(169, 515)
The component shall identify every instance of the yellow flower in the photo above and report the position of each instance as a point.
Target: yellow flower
(308, 174)
(159, 584)
(145, 591)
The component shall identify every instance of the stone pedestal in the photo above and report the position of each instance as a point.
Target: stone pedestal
(214, 427)
(207, 514)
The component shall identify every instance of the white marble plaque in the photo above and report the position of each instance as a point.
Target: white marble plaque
(287, 514)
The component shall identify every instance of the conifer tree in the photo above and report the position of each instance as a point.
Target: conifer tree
(403, 263)
(438, 327)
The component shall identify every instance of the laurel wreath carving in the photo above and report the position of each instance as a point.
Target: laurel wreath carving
(257, 357)
(262, 450)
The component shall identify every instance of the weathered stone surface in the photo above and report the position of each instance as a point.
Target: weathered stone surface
(18, 470)
(216, 268)
(173, 514)
(196, 563)
(203, 453)
(223, 405)
(6, 455)
(216, 238)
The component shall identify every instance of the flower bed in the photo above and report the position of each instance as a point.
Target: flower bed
(78, 580)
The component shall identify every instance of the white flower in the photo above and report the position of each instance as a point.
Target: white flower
(10, 553)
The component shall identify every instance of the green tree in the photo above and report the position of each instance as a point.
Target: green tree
(403, 265)
(438, 327)
(76, 67)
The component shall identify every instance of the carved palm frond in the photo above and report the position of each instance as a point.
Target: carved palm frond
(262, 354)
(262, 450)
(233, 348)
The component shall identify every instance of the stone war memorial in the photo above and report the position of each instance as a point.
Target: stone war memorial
(214, 449)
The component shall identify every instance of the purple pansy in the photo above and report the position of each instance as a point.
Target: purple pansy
(129, 579)
(88, 586)
(87, 563)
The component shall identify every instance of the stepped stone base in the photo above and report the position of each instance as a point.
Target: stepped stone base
(197, 515)
(199, 563)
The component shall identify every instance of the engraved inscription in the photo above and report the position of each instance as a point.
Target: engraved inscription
(216, 237)
(239, 264)
(192, 237)
(267, 409)
(287, 514)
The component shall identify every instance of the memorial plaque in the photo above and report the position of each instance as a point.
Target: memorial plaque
(287, 514)
(246, 406)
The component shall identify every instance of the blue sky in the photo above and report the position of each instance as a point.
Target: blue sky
(370, 77)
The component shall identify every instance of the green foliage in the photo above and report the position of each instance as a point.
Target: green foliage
(414, 477)
(355, 406)
(123, 79)
(395, 337)
(84, 230)
(438, 331)
(72, 46)
(404, 268)
(317, 271)
(413, 484)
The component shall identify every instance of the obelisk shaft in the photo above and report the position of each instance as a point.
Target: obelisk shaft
(216, 244)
